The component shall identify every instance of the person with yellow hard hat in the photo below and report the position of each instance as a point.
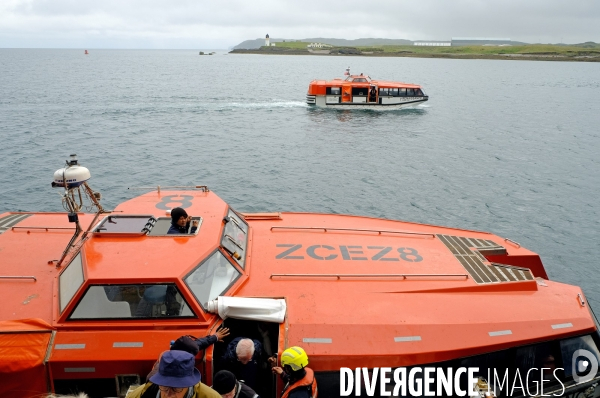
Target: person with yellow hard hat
(299, 380)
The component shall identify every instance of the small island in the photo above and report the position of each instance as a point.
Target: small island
(505, 49)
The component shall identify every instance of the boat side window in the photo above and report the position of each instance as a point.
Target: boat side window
(359, 91)
(575, 351)
(402, 92)
(538, 356)
(394, 92)
(383, 91)
(360, 80)
(418, 92)
(333, 90)
(211, 278)
(235, 237)
(69, 281)
(349, 79)
(132, 301)
(410, 92)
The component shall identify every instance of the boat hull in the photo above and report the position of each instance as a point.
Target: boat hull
(322, 101)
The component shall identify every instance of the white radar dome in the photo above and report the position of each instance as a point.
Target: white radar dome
(72, 176)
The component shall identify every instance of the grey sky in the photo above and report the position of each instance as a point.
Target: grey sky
(197, 24)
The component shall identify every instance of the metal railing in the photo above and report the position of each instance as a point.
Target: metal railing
(379, 231)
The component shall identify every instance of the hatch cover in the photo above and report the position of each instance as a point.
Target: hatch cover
(468, 251)
(11, 220)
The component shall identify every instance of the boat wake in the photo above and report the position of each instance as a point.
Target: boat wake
(260, 105)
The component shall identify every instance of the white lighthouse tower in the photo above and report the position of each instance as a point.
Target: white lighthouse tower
(267, 40)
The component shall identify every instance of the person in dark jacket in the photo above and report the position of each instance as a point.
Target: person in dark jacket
(228, 386)
(192, 345)
(243, 357)
(180, 222)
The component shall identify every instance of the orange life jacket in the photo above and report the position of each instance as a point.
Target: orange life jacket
(307, 381)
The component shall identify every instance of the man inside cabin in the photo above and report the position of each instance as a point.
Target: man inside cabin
(180, 222)
(244, 357)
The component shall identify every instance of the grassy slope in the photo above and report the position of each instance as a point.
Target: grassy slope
(533, 49)
(529, 49)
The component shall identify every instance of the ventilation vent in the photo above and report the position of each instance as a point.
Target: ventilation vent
(9, 221)
(476, 264)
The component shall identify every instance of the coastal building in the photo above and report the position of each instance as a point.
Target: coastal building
(432, 43)
(480, 41)
(267, 40)
(318, 45)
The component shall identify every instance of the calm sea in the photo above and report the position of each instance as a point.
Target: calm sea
(510, 147)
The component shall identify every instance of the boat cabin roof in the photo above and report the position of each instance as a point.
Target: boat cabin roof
(363, 81)
(394, 279)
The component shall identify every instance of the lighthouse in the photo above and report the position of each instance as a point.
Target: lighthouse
(267, 40)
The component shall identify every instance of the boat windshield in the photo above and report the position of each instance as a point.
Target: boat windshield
(70, 281)
(359, 79)
(212, 278)
(132, 301)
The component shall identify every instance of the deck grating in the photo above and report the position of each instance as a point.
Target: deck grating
(10, 221)
(468, 251)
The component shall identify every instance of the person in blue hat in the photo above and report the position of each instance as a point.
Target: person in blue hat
(177, 377)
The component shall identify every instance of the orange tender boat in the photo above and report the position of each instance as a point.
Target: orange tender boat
(354, 292)
(362, 92)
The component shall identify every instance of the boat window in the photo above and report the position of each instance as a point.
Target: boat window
(543, 355)
(333, 90)
(418, 92)
(383, 91)
(359, 91)
(360, 80)
(575, 352)
(161, 226)
(70, 281)
(402, 92)
(410, 92)
(132, 301)
(211, 278)
(349, 79)
(235, 237)
(394, 92)
(132, 224)
(529, 361)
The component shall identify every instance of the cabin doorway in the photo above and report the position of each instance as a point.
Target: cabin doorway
(267, 334)
(346, 92)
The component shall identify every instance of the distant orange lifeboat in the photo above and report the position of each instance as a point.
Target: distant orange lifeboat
(362, 92)
(86, 52)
